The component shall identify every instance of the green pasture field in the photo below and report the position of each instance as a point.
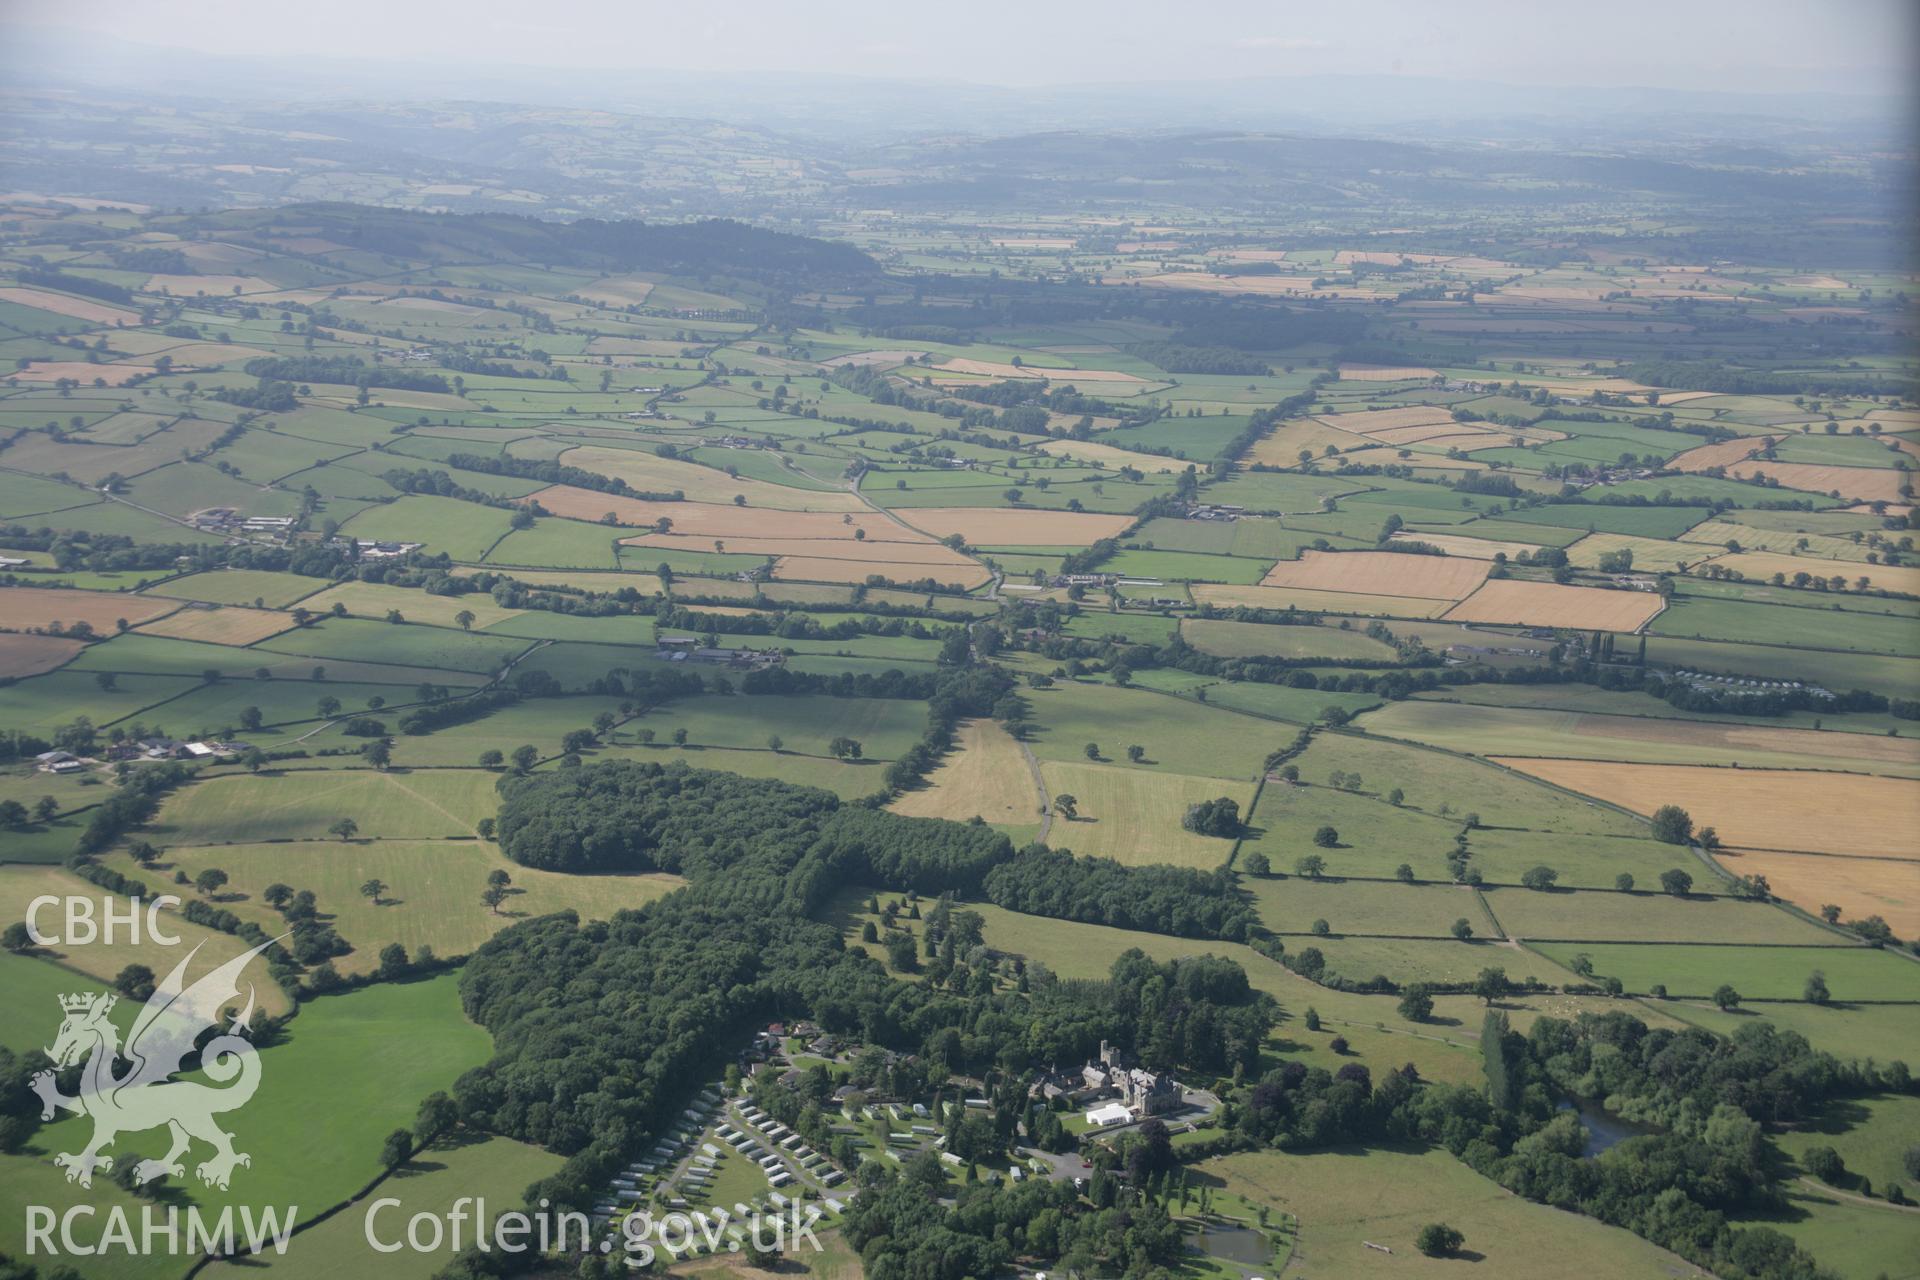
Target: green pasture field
(162, 655)
(1650, 916)
(1182, 566)
(375, 600)
(30, 990)
(1825, 667)
(353, 1066)
(1741, 623)
(25, 495)
(1627, 703)
(118, 518)
(575, 663)
(1252, 639)
(409, 644)
(1292, 904)
(1178, 736)
(902, 650)
(1871, 1135)
(1280, 492)
(241, 586)
(1346, 1196)
(541, 722)
(1879, 1031)
(496, 1170)
(101, 960)
(1138, 628)
(806, 724)
(1545, 535)
(1756, 972)
(1267, 700)
(1698, 588)
(1431, 778)
(1405, 960)
(1252, 538)
(433, 889)
(1855, 1239)
(538, 624)
(1199, 439)
(1487, 731)
(1830, 524)
(40, 704)
(560, 544)
(25, 783)
(464, 530)
(1134, 815)
(301, 805)
(288, 708)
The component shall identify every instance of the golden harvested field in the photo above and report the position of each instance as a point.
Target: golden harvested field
(1772, 809)
(35, 608)
(1488, 731)
(1367, 421)
(373, 600)
(922, 552)
(1282, 446)
(74, 308)
(987, 527)
(1320, 601)
(650, 473)
(1383, 372)
(986, 775)
(717, 520)
(1549, 604)
(1435, 432)
(1455, 544)
(1133, 815)
(1382, 573)
(30, 655)
(1105, 455)
(1760, 566)
(1648, 553)
(993, 369)
(966, 573)
(1876, 748)
(1862, 484)
(1861, 887)
(114, 375)
(230, 625)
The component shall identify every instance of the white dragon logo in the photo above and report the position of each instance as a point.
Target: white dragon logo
(145, 1096)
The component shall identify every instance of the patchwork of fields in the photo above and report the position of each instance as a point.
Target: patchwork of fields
(1450, 638)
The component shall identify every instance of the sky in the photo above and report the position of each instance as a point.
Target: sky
(1845, 46)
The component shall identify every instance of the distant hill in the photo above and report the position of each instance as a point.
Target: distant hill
(714, 246)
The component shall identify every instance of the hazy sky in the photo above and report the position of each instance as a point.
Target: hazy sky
(1749, 45)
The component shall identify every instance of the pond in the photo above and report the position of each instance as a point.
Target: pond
(1244, 1245)
(1604, 1129)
